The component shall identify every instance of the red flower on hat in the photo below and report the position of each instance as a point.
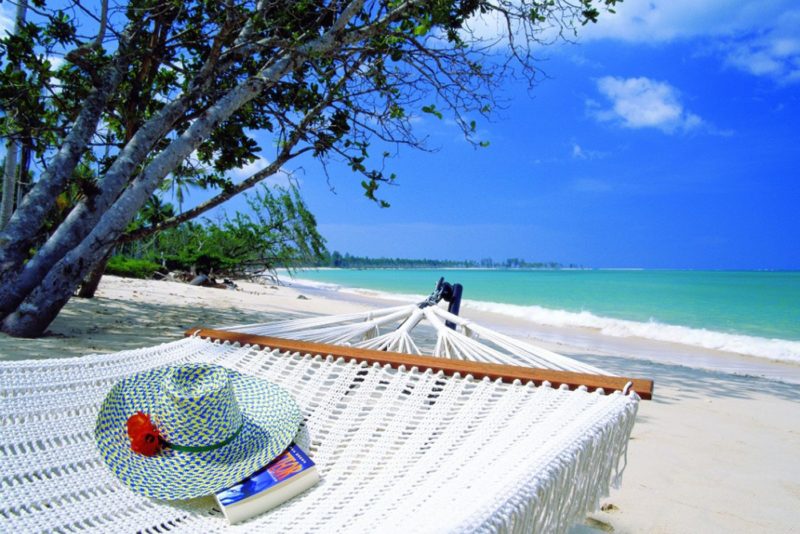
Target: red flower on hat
(143, 434)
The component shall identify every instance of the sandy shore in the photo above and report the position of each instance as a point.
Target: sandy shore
(714, 452)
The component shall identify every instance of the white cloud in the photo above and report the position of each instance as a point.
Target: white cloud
(6, 19)
(664, 20)
(281, 178)
(760, 38)
(250, 169)
(774, 52)
(644, 103)
(653, 21)
(56, 62)
(579, 152)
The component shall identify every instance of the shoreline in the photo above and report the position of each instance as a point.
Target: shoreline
(712, 452)
(578, 339)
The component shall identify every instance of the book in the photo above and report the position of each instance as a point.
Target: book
(289, 474)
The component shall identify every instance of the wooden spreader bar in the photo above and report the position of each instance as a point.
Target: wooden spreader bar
(508, 373)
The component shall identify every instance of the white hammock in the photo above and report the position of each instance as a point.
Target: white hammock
(398, 449)
(469, 341)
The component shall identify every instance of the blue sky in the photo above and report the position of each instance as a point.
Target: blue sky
(667, 137)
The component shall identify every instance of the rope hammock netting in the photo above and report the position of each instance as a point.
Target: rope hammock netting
(455, 336)
(400, 447)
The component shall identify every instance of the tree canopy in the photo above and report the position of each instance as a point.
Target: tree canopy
(112, 103)
(278, 231)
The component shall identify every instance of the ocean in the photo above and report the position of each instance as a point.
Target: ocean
(746, 312)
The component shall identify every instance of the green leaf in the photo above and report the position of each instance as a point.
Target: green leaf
(431, 109)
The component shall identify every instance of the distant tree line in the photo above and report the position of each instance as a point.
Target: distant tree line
(348, 261)
(276, 231)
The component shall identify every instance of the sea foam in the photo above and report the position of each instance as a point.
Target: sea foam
(773, 349)
(761, 347)
(329, 286)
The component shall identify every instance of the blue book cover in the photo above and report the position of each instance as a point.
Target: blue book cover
(288, 464)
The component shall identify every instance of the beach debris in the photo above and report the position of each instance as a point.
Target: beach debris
(173, 276)
(598, 525)
(199, 280)
(608, 507)
(228, 283)
(182, 276)
(203, 280)
(302, 297)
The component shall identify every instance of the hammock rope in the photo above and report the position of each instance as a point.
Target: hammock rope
(399, 449)
(391, 329)
(401, 446)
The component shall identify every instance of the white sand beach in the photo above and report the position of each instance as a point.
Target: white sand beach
(713, 452)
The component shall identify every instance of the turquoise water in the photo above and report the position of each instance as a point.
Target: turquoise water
(757, 304)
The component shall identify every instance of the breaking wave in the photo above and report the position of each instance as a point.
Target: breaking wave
(761, 347)
(328, 286)
(774, 349)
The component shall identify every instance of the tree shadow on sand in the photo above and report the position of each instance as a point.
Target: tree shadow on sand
(103, 325)
(106, 325)
(692, 382)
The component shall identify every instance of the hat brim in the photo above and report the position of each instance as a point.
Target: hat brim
(271, 420)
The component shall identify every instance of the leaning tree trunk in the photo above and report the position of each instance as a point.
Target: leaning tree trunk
(9, 182)
(16, 283)
(32, 316)
(42, 304)
(89, 286)
(12, 146)
(17, 236)
(84, 216)
(22, 172)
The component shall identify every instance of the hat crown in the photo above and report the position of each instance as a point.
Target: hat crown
(197, 406)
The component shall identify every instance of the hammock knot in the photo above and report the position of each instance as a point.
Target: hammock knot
(443, 290)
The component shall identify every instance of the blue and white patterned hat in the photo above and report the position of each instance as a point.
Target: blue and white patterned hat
(219, 425)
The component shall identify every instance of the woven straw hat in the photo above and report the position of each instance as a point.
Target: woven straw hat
(219, 426)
